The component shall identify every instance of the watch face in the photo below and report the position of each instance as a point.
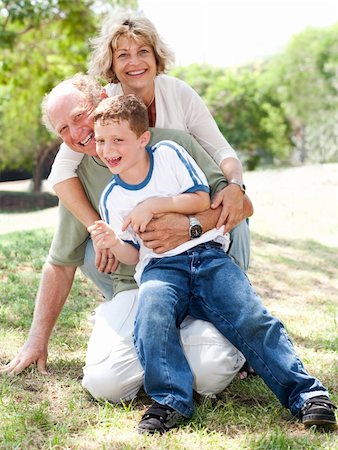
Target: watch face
(195, 231)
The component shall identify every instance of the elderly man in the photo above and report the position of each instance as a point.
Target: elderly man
(112, 369)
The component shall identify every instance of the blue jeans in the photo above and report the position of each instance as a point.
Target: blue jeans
(205, 283)
(239, 250)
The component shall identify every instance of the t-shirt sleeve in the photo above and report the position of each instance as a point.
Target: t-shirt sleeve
(189, 175)
(213, 173)
(65, 165)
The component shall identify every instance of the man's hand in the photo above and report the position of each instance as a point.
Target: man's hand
(33, 351)
(165, 232)
(232, 200)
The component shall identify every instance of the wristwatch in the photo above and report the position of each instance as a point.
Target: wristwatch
(195, 228)
(239, 183)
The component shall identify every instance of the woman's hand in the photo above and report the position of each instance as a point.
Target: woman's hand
(105, 261)
(235, 207)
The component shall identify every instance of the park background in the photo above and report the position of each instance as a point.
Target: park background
(268, 72)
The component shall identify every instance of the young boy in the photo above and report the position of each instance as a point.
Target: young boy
(196, 278)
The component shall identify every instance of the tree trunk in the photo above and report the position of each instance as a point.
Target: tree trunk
(44, 157)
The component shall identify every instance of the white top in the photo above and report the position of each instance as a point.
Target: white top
(178, 106)
(172, 171)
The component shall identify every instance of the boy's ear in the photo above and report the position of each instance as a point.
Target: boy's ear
(145, 138)
(103, 94)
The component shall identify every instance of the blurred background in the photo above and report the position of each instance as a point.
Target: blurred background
(268, 71)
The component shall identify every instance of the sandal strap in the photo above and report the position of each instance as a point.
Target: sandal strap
(320, 401)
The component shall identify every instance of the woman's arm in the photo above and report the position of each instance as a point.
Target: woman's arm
(74, 198)
(203, 127)
(67, 186)
(65, 165)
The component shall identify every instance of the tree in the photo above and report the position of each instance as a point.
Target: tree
(247, 112)
(306, 78)
(41, 42)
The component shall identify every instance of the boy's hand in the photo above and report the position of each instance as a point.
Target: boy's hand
(103, 235)
(138, 218)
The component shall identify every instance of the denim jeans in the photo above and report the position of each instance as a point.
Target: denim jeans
(111, 371)
(206, 284)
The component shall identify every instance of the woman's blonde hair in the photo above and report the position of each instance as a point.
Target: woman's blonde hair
(131, 25)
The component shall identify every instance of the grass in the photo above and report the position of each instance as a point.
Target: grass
(297, 280)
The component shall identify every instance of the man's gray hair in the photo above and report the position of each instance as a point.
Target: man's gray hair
(84, 83)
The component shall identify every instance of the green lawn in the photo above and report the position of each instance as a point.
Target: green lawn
(298, 281)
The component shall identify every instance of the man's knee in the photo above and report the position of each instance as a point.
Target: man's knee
(113, 382)
(215, 369)
(214, 361)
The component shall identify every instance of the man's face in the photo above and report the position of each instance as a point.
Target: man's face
(72, 117)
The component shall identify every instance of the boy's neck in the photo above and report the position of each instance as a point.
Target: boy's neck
(139, 171)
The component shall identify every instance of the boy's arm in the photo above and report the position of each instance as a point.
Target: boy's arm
(104, 236)
(186, 203)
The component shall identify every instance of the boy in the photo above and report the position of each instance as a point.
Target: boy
(196, 278)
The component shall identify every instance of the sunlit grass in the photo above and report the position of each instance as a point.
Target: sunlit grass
(297, 280)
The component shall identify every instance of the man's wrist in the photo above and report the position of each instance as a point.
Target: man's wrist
(209, 218)
(195, 227)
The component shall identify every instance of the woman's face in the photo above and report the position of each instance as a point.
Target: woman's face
(134, 63)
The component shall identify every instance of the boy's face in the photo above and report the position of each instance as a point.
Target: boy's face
(72, 117)
(119, 147)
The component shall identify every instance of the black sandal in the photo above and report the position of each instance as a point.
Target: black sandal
(159, 419)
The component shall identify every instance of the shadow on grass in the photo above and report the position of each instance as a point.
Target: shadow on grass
(306, 254)
(16, 202)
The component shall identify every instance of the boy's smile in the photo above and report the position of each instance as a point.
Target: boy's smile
(122, 151)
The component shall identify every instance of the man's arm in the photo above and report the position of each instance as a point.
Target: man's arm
(55, 285)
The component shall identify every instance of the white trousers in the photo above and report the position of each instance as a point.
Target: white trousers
(113, 372)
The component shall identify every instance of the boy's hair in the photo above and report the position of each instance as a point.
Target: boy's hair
(131, 25)
(84, 83)
(123, 107)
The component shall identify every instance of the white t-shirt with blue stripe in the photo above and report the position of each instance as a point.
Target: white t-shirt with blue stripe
(172, 171)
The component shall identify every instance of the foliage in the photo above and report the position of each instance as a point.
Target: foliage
(288, 103)
(247, 112)
(264, 110)
(306, 78)
(41, 42)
